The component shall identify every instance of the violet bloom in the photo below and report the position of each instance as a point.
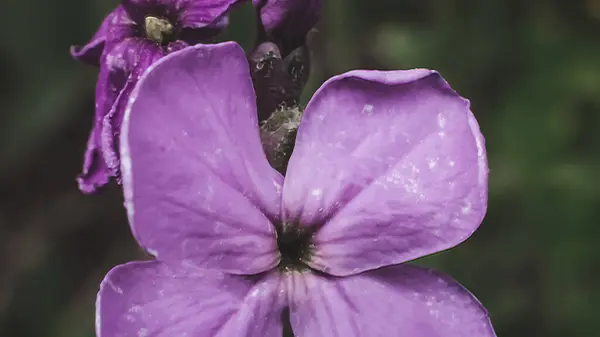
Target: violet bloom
(388, 167)
(286, 22)
(133, 36)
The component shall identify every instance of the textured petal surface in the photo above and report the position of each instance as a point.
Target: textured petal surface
(197, 184)
(154, 299)
(132, 55)
(111, 128)
(397, 170)
(120, 27)
(120, 68)
(287, 22)
(393, 301)
(96, 173)
(126, 60)
(92, 51)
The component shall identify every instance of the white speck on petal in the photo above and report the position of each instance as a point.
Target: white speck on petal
(316, 192)
(277, 186)
(114, 287)
(411, 186)
(143, 332)
(452, 163)
(115, 61)
(394, 178)
(441, 120)
(136, 309)
(367, 109)
(467, 208)
(255, 292)
(432, 163)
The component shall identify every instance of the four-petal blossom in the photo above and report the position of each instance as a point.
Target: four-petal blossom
(132, 37)
(388, 167)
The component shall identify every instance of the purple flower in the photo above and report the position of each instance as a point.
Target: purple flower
(133, 36)
(388, 167)
(286, 22)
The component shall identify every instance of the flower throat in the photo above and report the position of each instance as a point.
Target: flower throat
(295, 245)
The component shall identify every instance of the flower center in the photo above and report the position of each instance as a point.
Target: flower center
(158, 30)
(295, 246)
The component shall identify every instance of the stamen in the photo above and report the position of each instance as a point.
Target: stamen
(157, 29)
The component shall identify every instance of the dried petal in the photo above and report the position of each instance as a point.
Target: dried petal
(95, 173)
(122, 64)
(91, 52)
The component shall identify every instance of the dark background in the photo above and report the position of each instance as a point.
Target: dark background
(531, 69)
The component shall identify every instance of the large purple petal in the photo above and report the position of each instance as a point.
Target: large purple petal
(397, 170)
(159, 300)
(287, 22)
(393, 301)
(197, 184)
(91, 52)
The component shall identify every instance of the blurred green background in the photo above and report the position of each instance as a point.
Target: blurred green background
(531, 69)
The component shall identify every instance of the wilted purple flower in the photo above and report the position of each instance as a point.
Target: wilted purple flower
(286, 22)
(388, 167)
(132, 37)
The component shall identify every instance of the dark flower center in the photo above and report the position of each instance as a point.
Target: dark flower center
(158, 30)
(295, 245)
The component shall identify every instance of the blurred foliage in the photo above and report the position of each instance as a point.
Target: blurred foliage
(530, 68)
